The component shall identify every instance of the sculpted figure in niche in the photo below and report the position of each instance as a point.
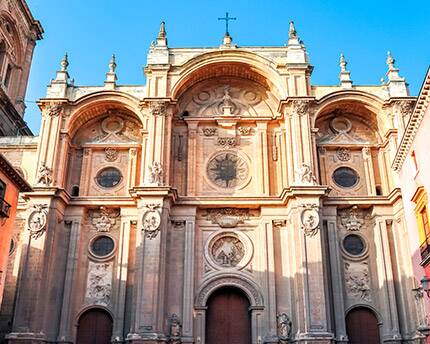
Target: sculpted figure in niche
(45, 175)
(284, 327)
(156, 174)
(305, 176)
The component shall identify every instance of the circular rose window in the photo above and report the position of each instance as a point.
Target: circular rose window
(227, 170)
(345, 177)
(354, 245)
(102, 246)
(109, 177)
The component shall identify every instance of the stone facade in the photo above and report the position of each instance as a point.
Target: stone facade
(19, 32)
(228, 168)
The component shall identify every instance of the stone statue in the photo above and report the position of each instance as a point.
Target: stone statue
(156, 174)
(305, 176)
(175, 329)
(284, 327)
(44, 177)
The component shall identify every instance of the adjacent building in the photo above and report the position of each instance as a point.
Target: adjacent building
(412, 162)
(227, 200)
(19, 32)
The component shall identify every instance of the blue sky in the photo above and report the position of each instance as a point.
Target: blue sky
(91, 30)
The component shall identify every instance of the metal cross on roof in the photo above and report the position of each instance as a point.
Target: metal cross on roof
(227, 19)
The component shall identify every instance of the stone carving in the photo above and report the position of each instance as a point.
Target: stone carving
(243, 284)
(310, 219)
(279, 224)
(209, 131)
(155, 175)
(151, 221)
(175, 330)
(405, 107)
(54, 110)
(44, 177)
(301, 107)
(104, 219)
(305, 176)
(227, 217)
(284, 327)
(274, 148)
(111, 154)
(99, 283)
(227, 142)
(158, 108)
(37, 220)
(245, 131)
(352, 219)
(343, 154)
(358, 281)
(227, 170)
(227, 250)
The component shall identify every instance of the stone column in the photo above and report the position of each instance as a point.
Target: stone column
(337, 281)
(148, 318)
(390, 330)
(263, 160)
(192, 152)
(368, 170)
(65, 334)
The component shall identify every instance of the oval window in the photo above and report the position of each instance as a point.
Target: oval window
(354, 244)
(102, 246)
(109, 177)
(345, 177)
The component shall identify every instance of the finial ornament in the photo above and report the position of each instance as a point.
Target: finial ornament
(64, 63)
(342, 63)
(162, 32)
(390, 61)
(227, 19)
(292, 32)
(112, 64)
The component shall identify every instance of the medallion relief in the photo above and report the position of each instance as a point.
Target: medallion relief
(99, 283)
(37, 220)
(228, 250)
(227, 170)
(310, 219)
(151, 221)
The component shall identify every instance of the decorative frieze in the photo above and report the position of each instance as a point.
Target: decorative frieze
(151, 221)
(310, 219)
(37, 220)
(357, 281)
(228, 217)
(227, 142)
(104, 219)
(209, 131)
(99, 283)
(158, 108)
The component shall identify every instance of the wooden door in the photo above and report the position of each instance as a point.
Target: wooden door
(362, 327)
(228, 318)
(95, 327)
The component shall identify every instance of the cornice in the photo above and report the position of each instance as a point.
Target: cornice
(414, 123)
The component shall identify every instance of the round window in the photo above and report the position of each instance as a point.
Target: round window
(345, 177)
(354, 244)
(109, 177)
(102, 246)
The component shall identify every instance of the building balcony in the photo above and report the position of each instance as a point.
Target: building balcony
(4, 208)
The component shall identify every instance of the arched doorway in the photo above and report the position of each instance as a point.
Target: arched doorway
(228, 319)
(94, 327)
(362, 326)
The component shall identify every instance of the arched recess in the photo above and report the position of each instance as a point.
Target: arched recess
(242, 283)
(89, 106)
(349, 130)
(94, 326)
(104, 142)
(229, 63)
(362, 326)
(12, 36)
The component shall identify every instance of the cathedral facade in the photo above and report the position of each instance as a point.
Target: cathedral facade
(228, 200)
